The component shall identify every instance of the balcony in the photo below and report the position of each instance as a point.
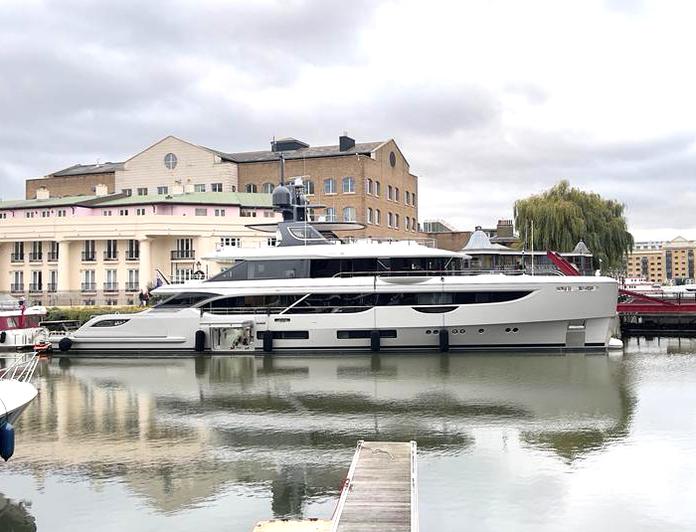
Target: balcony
(110, 287)
(110, 256)
(88, 287)
(89, 256)
(132, 255)
(52, 256)
(52, 287)
(183, 254)
(132, 287)
(35, 256)
(35, 287)
(17, 287)
(17, 257)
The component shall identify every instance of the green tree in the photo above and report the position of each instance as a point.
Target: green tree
(563, 215)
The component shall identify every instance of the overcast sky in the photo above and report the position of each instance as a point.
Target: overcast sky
(489, 100)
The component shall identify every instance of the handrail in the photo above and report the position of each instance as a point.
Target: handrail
(22, 369)
(426, 273)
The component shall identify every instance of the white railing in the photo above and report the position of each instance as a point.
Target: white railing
(21, 369)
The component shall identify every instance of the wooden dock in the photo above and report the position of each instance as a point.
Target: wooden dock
(380, 492)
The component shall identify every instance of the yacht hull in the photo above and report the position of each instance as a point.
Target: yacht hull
(556, 314)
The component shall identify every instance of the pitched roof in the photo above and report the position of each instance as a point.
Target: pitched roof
(362, 148)
(581, 249)
(82, 169)
(49, 202)
(243, 199)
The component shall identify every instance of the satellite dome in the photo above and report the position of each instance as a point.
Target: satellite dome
(281, 196)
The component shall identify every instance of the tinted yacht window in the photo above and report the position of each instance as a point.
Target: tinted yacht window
(184, 300)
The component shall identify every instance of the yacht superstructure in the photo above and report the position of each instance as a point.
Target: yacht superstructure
(19, 325)
(314, 294)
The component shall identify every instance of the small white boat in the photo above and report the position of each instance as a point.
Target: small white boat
(16, 392)
(19, 325)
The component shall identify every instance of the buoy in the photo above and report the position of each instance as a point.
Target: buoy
(65, 344)
(199, 341)
(375, 341)
(3, 337)
(444, 340)
(268, 341)
(7, 441)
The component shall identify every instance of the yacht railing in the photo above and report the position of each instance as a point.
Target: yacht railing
(433, 273)
(21, 369)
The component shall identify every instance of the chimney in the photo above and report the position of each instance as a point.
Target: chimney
(42, 193)
(177, 189)
(101, 190)
(345, 142)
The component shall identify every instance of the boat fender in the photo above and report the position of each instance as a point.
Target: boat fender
(444, 340)
(375, 341)
(268, 341)
(199, 341)
(65, 344)
(7, 441)
(3, 337)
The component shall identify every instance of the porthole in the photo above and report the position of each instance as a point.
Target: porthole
(462, 331)
(455, 331)
(515, 329)
(427, 332)
(435, 331)
(481, 331)
(507, 329)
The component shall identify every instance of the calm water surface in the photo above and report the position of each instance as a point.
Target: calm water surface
(506, 442)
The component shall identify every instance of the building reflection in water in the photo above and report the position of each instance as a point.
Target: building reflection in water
(177, 432)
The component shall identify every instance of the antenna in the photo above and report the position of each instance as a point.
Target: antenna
(532, 244)
(282, 169)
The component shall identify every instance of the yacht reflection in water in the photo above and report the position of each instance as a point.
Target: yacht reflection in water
(181, 431)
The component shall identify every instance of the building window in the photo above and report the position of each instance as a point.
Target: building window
(413, 198)
(45, 214)
(378, 188)
(133, 250)
(408, 223)
(348, 185)
(378, 217)
(309, 187)
(408, 198)
(3, 215)
(199, 187)
(369, 215)
(216, 187)
(162, 190)
(349, 214)
(219, 212)
(28, 214)
(368, 186)
(330, 214)
(390, 192)
(170, 161)
(247, 213)
(140, 211)
(142, 191)
(226, 241)
(396, 194)
(396, 221)
(106, 213)
(268, 188)
(251, 188)
(390, 219)
(329, 186)
(201, 211)
(127, 191)
(123, 212)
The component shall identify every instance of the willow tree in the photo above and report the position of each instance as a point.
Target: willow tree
(563, 215)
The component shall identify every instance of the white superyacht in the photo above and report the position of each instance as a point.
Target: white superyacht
(312, 294)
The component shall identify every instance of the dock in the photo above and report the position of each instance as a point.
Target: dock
(380, 492)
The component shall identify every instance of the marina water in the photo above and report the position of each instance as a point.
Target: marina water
(506, 442)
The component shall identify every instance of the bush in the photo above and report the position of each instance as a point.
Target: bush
(82, 314)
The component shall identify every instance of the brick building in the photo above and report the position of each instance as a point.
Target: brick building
(366, 182)
(663, 262)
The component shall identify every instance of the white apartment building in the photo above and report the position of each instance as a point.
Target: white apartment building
(104, 249)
